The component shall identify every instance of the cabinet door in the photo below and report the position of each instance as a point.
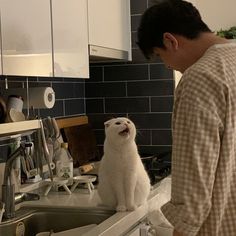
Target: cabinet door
(109, 24)
(26, 37)
(70, 38)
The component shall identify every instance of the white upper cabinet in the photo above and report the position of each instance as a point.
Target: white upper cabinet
(109, 28)
(45, 38)
(70, 38)
(57, 38)
(26, 37)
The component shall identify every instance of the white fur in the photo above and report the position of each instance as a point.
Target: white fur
(123, 181)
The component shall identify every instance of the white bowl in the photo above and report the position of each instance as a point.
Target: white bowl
(84, 178)
(57, 180)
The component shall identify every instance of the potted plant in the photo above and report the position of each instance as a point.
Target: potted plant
(229, 33)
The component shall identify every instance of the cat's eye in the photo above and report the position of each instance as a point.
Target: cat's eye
(117, 123)
(128, 122)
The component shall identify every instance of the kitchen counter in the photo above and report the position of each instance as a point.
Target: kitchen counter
(117, 224)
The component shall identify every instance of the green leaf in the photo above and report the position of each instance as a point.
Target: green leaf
(229, 33)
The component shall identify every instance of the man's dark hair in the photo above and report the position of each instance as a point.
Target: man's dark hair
(173, 16)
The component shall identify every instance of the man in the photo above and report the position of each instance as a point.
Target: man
(203, 190)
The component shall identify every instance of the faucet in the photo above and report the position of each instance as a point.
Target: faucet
(9, 197)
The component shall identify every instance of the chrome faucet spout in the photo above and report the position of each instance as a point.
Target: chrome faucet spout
(8, 189)
(8, 167)
(22, 197)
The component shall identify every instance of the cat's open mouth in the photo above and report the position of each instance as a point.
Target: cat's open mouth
(124, 132)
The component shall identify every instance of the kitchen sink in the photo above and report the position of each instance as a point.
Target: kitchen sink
(34, 220)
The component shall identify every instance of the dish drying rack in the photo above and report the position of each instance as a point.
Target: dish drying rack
(14, 130)
(19, 129)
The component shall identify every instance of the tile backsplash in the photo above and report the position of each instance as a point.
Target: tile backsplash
(142, 92)
(139, 89)
(70, 96)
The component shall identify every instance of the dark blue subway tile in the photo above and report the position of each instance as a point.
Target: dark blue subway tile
(126, 72)
(159, 71)
(105, 89)
(135, 20)
(162, 104)
(151, 120)
(134, 40)
(39, 84)
(138, 57)
(137, 7)
(63, 90)
(161, 137)
(94, 105)
(100, 136)
(150, 88)
(96, 74)
(126, 105)
(143, 137)
(79, 90)
(74, 107)
(56, 111)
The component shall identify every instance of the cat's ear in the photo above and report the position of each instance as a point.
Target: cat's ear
(106, 124)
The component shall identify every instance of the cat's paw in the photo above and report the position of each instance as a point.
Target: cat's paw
(121, 208)
(131, 207)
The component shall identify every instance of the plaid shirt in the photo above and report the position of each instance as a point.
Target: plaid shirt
(203, 195)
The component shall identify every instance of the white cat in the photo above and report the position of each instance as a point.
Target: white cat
(123, 181)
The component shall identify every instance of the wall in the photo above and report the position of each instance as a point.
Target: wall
(217, 14)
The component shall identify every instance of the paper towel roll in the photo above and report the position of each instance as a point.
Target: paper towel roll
(39, 97)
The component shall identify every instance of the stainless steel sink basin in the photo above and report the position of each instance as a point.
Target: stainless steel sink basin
(41, 219)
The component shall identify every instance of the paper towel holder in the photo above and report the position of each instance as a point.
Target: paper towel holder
(38, 97)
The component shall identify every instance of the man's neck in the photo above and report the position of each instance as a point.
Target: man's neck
(195, 49)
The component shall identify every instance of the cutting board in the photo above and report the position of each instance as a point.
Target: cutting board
(82, 144)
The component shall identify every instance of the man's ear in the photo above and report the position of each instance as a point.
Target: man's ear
(170, 41)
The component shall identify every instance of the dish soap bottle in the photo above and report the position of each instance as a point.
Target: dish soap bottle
(64, 163)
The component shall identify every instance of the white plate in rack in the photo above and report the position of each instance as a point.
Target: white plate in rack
(57, 181)
(84, 178)
(87, 179)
